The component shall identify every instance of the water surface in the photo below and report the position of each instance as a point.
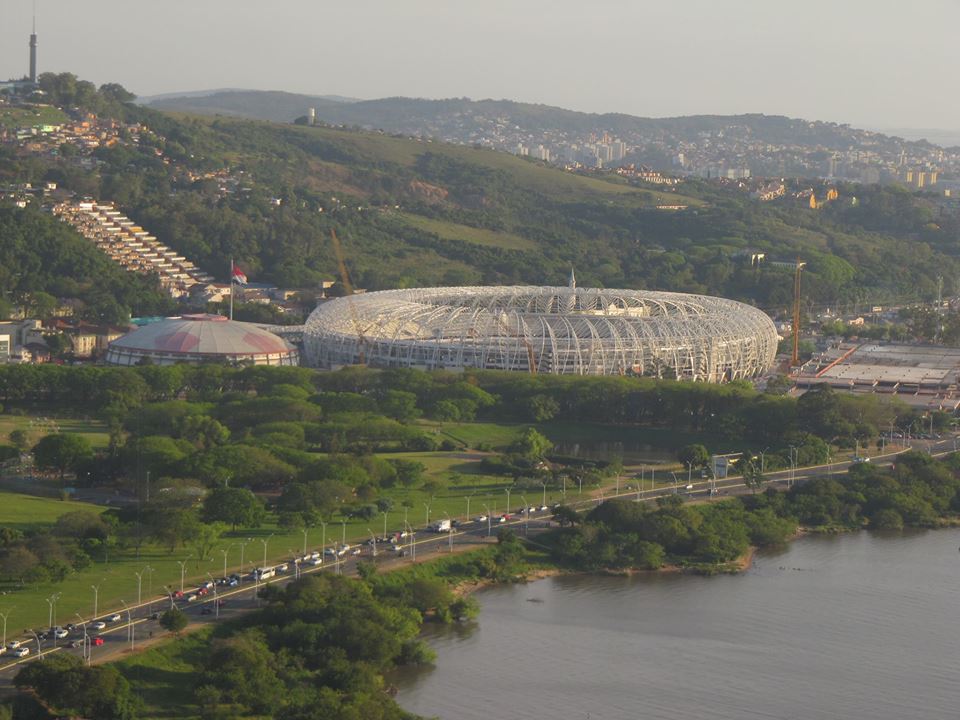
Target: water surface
(856, 626)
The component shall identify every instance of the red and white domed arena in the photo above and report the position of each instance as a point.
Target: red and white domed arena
(201, 338)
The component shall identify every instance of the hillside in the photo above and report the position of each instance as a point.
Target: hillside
(414, 212)
(503, 123)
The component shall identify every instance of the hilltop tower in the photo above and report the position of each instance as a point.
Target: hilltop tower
(33, 49)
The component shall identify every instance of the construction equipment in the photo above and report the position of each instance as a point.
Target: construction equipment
(348, 290)
(795, 358)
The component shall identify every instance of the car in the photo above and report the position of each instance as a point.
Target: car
(206, 610)
(201, 591)
(60, 634)
(70, 626)
(98, 641)
(543, 508)
(114, 618)
(75, 643)
(501, 519)
(233, 582)
(3, 649)
(14, 644)
(43, 635)
(21, 651)
(861, 459)
(329, 551)
(356, 551)
(178, 594)
(481, 518)
(316, 561)
(99, 625)
(192, 597)
(282, 567)
(155, 616)
(314, 555)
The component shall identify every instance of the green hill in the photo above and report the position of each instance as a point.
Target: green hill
(414, 212)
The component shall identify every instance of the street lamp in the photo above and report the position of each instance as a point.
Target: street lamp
(4, 616)
(762, 459)
(526, 513)
(427, 521)
(86, 639)
(543, 502)
(96, 597)
(216, 603)
(225, 552)
(139, 584)
(129, 624)
(52, 602)
(265, 541)
(507, 490)
(384, 524)
(467, 498)
(305, 531)
(487, 510)
(373, 542)
(413, 544)
(243, 546)
(323, 544)
(449, 531)
(183, 570)
(37, 638)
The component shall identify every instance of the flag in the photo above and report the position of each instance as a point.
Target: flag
(238, 277)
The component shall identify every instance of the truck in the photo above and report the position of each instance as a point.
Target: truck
(441, 526)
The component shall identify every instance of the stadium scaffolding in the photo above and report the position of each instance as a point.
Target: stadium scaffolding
(554, 330)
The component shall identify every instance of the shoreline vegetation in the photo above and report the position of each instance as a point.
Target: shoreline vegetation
(245, 668)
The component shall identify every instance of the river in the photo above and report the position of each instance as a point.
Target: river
(858, 626)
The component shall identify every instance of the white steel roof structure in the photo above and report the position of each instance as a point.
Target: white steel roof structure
(560, 330)
(201, 338)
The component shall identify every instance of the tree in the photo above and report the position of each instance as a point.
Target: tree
(19, 439)
(205, 538)
(237, 506)
(694, 456)
(752, 477)
(531, 445)
(566, 515)
(174, 620)
(63, 452)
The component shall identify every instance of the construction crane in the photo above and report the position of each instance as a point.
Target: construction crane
(348, 289)
(795, 358)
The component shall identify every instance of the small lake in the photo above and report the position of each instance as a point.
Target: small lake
(859, 626)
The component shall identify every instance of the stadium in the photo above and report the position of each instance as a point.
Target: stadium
(555, 330)
(201, 338)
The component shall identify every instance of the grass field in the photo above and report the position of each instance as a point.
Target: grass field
(463, 233)
(40, 424)
(27, 512)
(31, 117)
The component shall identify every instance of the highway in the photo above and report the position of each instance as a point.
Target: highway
(124, 637)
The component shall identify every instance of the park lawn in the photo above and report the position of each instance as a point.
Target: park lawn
(40, 424)
(28, 512)
(497, 435)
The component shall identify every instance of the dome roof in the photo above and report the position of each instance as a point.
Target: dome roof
(199, 337)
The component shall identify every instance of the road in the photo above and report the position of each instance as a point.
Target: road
(124, 637)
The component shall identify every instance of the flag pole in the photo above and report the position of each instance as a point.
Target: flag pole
(231, 288)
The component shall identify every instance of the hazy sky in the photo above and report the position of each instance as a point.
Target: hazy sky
(880, 63)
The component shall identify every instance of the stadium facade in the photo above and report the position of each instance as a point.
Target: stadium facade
(201, 338)
(556, 330)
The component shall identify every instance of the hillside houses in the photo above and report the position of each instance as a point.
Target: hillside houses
(132, 247)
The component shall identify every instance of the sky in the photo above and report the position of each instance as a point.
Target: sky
(871, 63)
